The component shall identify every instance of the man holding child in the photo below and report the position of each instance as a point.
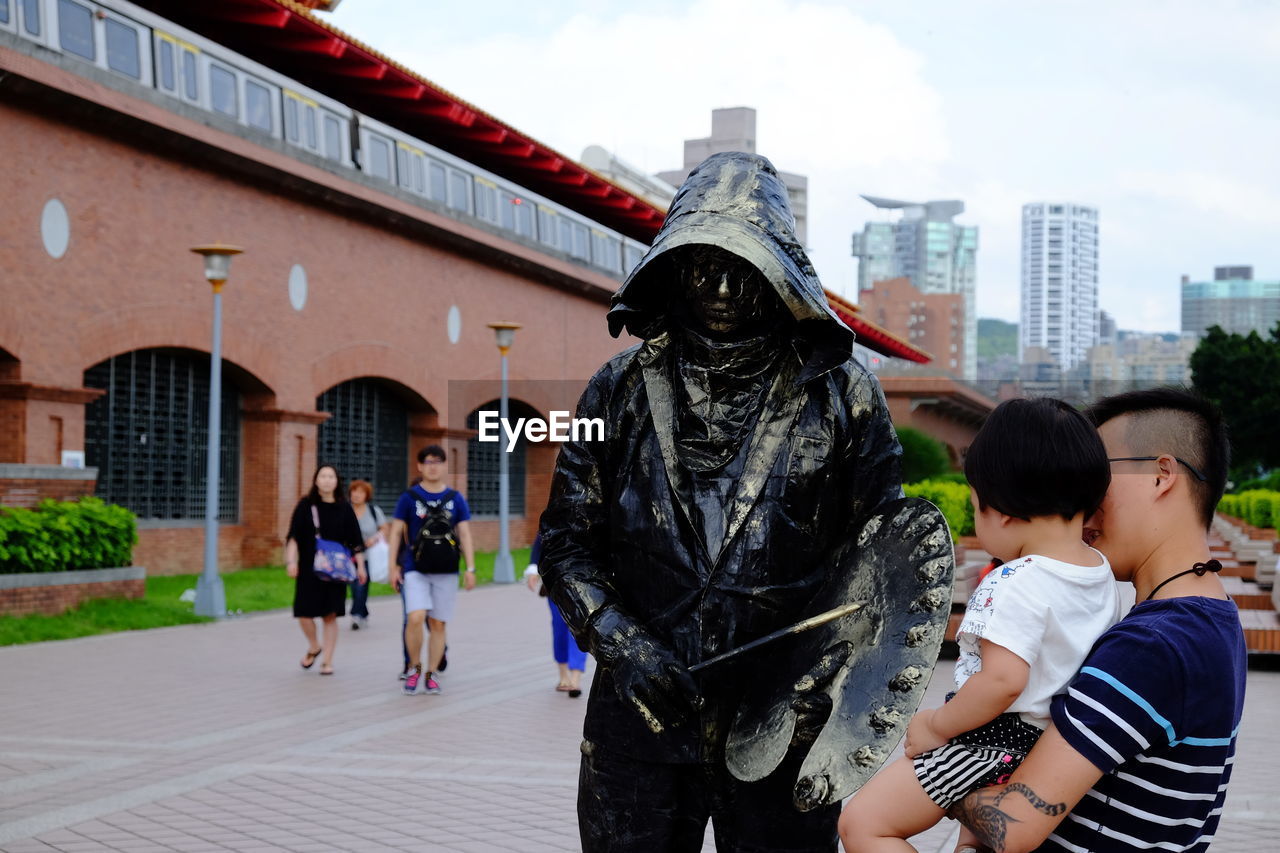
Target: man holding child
(1142, 743)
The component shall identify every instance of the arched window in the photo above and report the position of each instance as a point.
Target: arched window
(482, 463)
(367, 438)
(148, 436)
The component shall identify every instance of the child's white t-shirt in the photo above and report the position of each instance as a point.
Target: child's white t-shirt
(1045, 611)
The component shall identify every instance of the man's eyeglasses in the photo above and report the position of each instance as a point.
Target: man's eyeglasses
(1201, 477)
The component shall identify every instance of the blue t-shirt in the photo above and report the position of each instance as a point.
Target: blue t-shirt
(412, 510)
(1156, 708)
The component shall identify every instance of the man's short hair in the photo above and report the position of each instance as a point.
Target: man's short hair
(1038, 457)
(432, 450)
(1181, 423)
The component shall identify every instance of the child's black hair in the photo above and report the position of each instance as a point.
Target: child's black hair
(1038, 457)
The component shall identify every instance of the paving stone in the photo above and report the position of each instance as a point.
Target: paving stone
(256, 754)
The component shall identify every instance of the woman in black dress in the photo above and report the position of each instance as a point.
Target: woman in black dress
(312, 596)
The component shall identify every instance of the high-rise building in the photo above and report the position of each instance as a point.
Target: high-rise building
(1059, 281)
(1106, 329)
(1234, 300)
(926, 246)
(734, 129)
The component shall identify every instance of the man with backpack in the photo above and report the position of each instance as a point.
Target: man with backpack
(431, 533)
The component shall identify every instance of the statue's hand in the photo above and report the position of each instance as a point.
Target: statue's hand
(646, 675)
(811, 701)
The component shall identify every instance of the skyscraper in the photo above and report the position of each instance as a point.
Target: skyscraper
(734, 129)
(926, 246)
(1059, 281)
(1234, 300)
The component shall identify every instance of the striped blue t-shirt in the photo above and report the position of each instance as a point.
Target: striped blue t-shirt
(1156, 708)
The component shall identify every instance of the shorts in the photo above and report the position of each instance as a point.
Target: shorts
(436, 594)
(985, 756)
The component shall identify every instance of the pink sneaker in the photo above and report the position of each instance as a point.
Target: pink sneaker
(430, 686)
(411, 683)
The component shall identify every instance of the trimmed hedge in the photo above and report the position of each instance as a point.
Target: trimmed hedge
(66, 536)
(923, 457)
(1258, 507)
(950, 497)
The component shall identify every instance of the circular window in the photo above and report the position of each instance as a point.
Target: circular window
(55, 228)
(454, 324)
(297, 287)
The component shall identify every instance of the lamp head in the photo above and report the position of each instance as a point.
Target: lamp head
(505, 333)
(217, 262)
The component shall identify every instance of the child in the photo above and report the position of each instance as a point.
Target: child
(1036, 470)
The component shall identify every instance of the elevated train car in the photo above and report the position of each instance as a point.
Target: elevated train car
(121, 38)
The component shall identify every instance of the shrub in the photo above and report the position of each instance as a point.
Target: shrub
(65, 536)
(951, 498)
(1258, 507)
(923, 457)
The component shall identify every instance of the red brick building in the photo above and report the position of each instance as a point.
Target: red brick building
(919, 392)
(385, 222)
(934, 322)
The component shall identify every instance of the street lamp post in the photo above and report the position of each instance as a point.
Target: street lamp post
(211, 598)
(504, 569)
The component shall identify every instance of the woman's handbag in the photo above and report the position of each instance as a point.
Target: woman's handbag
(333, 561)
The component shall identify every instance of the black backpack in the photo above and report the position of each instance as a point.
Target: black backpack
(435, 549)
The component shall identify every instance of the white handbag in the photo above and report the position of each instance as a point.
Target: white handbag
(375, 559)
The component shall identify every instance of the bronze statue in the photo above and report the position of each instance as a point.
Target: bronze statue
(748, 480)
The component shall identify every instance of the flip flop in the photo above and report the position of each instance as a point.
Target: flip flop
(574, 693)
(309, 659)
(563, 687)
(326, 670)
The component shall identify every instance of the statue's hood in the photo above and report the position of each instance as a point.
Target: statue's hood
(736, 202)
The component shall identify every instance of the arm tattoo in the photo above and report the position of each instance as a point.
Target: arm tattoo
(981, 812)
(1050, 809)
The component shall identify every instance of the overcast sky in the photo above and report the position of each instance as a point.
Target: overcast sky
(1162, 114)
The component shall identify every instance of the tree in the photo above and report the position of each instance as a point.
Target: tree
(1241, 374)
(922, 457)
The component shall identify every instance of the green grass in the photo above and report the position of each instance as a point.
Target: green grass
(100, 616)
(247, 590)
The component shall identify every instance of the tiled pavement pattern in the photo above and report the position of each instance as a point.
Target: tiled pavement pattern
(210, 738)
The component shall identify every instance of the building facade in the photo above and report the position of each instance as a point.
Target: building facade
(1140, 360)
(1234, 300)
(734, 129)
(1059, 311)
(934, 322)
(938, 256)
(355, 324)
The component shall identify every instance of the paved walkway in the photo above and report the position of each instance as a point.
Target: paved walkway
(210, 738)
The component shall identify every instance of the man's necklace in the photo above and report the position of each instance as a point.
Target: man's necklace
(1198, 570)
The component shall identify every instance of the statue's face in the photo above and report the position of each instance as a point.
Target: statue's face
(725, 294)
